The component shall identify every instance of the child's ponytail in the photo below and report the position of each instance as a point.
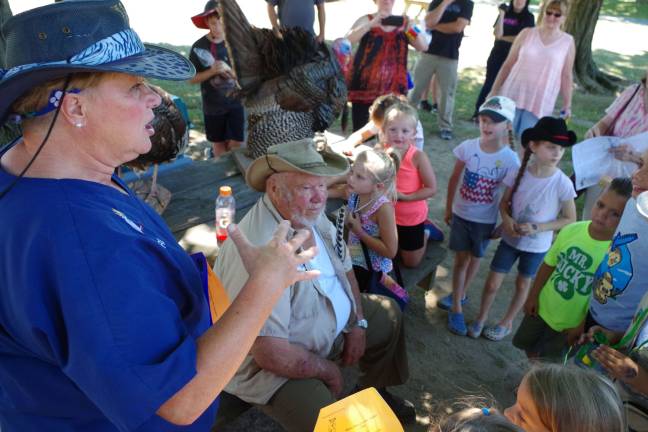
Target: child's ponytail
(390, 174)
(383, 166)
(520, 174)
(511, 137)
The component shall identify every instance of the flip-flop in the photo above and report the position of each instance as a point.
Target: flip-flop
(496, 333)
(457, 324)
(445, 303)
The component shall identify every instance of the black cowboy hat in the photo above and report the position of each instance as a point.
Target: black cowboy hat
(550, 129)
(66, 37)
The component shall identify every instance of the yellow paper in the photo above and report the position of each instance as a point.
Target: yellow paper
(364, 411)
(218, 299)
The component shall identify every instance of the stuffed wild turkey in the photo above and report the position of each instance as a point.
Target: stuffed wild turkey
(290, 85)
(171, 133)
(170, 139)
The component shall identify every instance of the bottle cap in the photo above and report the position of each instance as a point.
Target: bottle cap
(225, 191)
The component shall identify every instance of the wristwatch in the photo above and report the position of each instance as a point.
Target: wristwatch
(363, 324)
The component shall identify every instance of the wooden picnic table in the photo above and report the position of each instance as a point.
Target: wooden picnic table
(195, 187)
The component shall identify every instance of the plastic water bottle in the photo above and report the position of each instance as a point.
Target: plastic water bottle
(225, 211)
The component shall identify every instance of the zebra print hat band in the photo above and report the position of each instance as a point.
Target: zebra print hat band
(55, 40)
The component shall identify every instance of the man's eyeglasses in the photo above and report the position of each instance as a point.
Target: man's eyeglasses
(554, 14)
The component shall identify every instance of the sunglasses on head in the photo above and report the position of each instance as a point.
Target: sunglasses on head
(555, 14)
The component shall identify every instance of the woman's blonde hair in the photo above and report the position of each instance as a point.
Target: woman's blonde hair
(571, 399)
(476, 420)
(37, 98)
(401, 109)
(383, 166)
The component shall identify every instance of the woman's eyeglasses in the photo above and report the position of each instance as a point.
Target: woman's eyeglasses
(554, 14)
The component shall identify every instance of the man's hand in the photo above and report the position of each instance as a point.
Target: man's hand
(618, 365)
(354, 346)
(331, 376)
(280, 261)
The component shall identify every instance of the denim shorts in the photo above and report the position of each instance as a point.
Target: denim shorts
(505, 257)
(470, 236)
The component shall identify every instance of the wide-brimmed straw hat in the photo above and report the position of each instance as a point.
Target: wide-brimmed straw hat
(295, 156)
(200, 20)
(58, 39)
(550, 129)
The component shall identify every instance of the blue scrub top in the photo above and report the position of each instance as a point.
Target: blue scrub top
(100, 309)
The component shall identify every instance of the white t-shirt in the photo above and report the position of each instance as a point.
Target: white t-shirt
(537, 200)
(331, 286)
(418, 140)
(478, 196)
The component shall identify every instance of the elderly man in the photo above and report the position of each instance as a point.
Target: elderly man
(293, 368)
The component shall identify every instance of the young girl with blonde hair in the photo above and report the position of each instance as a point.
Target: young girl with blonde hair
(371, 219)
(415, 183)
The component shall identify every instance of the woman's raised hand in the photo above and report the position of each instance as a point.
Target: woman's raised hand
(280, 261)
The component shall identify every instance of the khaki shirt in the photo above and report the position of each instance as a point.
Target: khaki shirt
(304, 315)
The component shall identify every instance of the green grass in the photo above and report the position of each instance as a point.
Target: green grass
(625, 8)
(587, 108)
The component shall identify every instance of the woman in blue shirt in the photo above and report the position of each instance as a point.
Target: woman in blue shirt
(103, 322)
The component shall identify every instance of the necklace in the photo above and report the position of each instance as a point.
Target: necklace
(363, 206)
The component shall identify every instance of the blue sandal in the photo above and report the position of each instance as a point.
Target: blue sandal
(457, 324)
(445, 303)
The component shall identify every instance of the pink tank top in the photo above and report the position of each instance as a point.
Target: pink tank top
(408, 180)
(534, 81)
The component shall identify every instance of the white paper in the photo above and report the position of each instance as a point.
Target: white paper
(592, 159)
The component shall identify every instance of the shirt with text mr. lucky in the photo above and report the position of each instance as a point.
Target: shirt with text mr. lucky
(564, 298)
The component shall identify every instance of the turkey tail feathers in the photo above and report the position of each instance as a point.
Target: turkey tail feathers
(242, 45)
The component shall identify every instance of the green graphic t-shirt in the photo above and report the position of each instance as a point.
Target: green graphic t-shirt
(564, 299)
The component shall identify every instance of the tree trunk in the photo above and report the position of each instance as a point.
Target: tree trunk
(580, 23)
